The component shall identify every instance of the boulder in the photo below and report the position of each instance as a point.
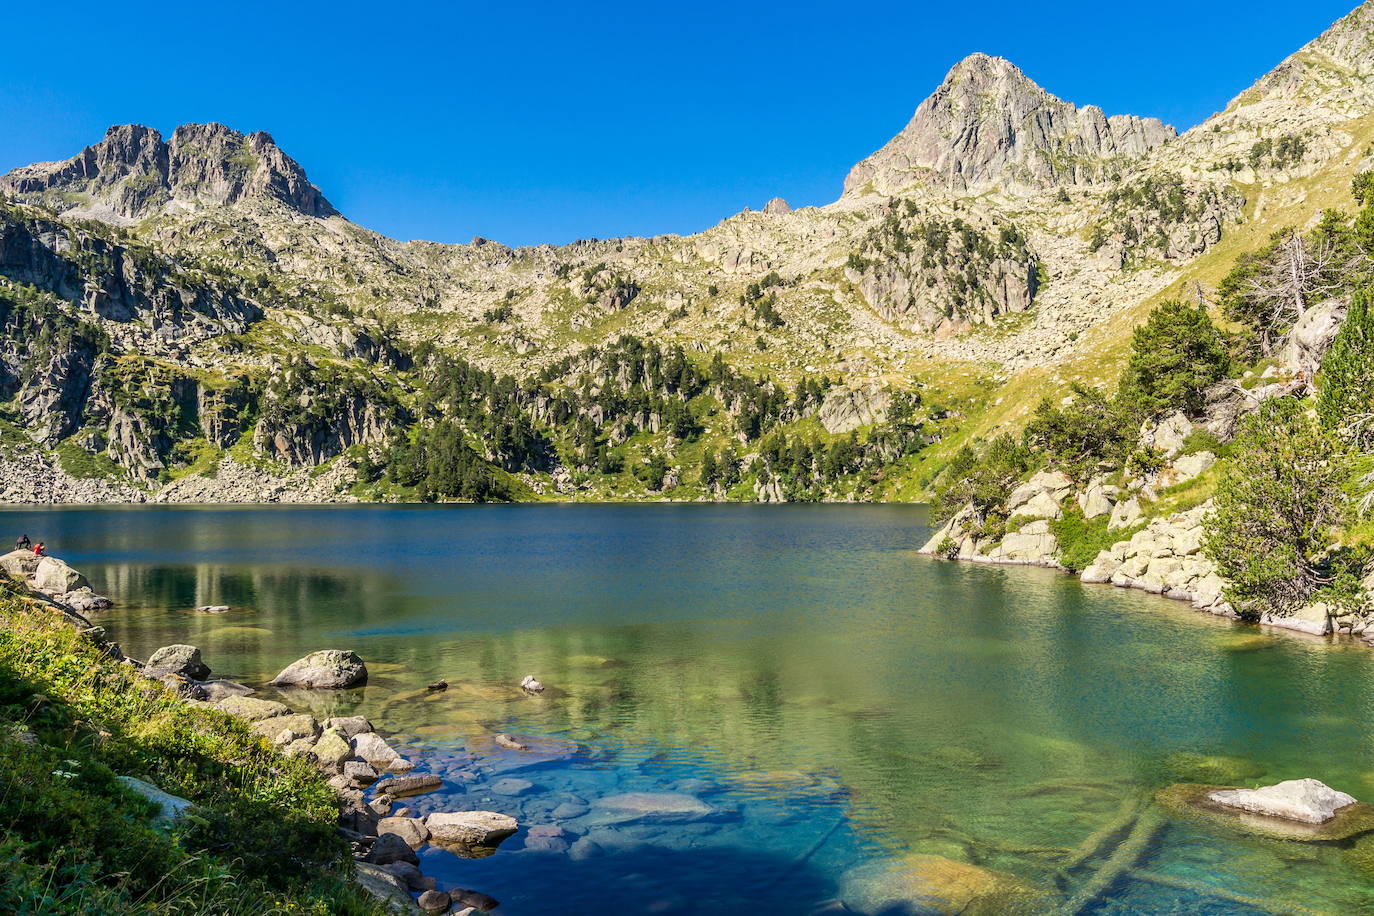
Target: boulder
(1168, 435)
(252, 708)
(178, 659)
(328, 669)
(385, 887)
(470, 828)
(1125, 515)
(332, 749)
(1097, 499)
(300, 725)
(411, 875)
(473, 900)
(349, 725)
(222, 689)
(170, 806)
(531, 684)
(19, 563)
(1307, 800)
(55, 577)
(388, 848)
(434, 901)
(409, 829)
(359, 772)
(371, 747)
(402, 786)
(1314, 619)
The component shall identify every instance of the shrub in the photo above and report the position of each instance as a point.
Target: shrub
(1080, 436)
(1277, 504)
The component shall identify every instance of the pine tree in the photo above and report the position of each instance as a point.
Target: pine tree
(1346, 402)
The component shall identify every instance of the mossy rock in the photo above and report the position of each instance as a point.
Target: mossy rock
(1186, 766)
(1189, 800)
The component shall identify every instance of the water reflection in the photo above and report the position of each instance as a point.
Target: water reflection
(797, 668)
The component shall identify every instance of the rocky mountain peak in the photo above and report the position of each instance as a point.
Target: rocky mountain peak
(1337, 68)
(133, 174)
(989, 124)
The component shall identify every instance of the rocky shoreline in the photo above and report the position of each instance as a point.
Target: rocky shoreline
(1164, 557)
(369, 775)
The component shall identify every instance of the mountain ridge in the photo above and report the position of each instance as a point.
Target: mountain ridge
(977, 296)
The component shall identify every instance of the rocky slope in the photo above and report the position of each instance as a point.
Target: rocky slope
(1001, 246)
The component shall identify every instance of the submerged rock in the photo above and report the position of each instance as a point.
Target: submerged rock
(935, 885)
(1307, 800)
(328, 668)
(531, 684)
(655, 807)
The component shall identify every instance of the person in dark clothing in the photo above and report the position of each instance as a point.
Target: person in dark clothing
(23, 543)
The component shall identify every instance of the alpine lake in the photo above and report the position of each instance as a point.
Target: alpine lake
(831, 716)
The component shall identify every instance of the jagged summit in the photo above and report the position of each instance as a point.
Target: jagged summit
(133, 174)
(990, 124)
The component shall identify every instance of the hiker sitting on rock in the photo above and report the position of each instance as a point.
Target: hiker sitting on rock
(23, 543)
(38, 549)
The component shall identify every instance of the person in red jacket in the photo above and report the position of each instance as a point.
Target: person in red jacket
(38, 549)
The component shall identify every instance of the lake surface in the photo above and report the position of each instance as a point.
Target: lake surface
(853, 714)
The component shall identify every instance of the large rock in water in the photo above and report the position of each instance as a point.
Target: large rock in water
(56, 577)
(327, 668)
(926, 884)
(178, 659)
(1307, 800)
(470, 828)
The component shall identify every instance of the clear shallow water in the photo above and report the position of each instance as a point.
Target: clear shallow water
(836, 699)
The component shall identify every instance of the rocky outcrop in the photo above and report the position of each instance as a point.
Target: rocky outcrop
(846, 409)
(144, 298)
(989, 124)
(930, 274)
(133, 174)
(1026, 539)
(332, 669)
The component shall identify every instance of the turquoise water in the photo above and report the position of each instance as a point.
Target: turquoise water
(855, 719)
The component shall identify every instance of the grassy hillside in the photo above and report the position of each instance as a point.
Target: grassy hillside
(260, 839)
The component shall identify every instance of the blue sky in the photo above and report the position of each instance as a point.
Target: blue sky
(534, 122)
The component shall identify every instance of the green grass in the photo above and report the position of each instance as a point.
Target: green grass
(260, 840)
(79, 463)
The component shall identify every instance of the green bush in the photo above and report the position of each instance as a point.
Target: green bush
(1082, 539)
(1277, 506)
